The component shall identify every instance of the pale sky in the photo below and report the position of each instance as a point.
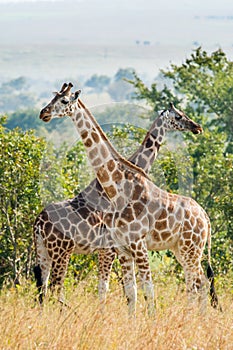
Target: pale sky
(168, 4)
(101, 33)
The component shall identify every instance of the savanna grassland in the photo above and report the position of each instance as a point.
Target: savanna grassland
(84, 325)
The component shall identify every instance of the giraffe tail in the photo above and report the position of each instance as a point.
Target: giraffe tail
(37, 269)
(210, 273)
(39, 282)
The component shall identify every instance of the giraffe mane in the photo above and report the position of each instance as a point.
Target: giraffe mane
(113, 150)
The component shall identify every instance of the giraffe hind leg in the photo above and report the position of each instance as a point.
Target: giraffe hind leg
(130, 288)
(142, 261)
(195, 279)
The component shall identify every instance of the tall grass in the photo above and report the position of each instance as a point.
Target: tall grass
(25, 325)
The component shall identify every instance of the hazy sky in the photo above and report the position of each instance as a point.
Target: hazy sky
(165, 4)
(100, 34)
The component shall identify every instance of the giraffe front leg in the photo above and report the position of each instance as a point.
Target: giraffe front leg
(129, 281)
(142, 261)
(106, 258)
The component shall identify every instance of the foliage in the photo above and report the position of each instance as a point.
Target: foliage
(26, 118)
(213, 189)
(29, 119)
(207, 82)
(122, 113)
(204, 86)
(33, 173)
(19, 199)
(158, 99)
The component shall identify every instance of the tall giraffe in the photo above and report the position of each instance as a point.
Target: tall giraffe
(141, 214)
(88, 206)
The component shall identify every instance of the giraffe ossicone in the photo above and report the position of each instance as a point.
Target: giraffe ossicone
(137, 214)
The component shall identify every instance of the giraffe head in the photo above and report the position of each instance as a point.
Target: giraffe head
(61, 105)
(177, 120)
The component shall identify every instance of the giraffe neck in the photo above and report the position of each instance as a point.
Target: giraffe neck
(106, 162)
(148, 150)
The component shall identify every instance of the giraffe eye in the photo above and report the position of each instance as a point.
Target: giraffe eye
(178, 117)
(64, 102)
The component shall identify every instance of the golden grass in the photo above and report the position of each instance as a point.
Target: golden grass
(24, 325)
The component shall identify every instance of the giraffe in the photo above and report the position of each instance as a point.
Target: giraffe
(139, 215)
(87, 217)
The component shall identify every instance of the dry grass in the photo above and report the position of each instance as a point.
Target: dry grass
(25, 326)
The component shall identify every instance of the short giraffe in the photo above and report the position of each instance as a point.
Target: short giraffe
(152, 208)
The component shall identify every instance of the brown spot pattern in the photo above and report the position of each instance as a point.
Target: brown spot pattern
(111, 191)
(88, 143)
(138, 208)
(84, 134)
(127, 214)
(102, 175)
(116, 176)
(95, 137)
(111, 165)
(161, 225)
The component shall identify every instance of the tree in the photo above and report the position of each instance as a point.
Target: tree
(124, 73)
(26, 118)
(204, 86)
(119, 89)
(32, 174)
(29, 119)
(207, 82)
(122, 113)
(19, 199)
(15, 95)
(98, 81)
(19, 83)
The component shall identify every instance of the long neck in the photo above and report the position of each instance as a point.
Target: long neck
(148, 151)
(107, 163)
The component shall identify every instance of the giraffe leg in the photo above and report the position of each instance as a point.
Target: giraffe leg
(142, 261)
(42, 269)
(59, 270)
(106, 258)
(130, 288)
(197, 287)
(195, 279)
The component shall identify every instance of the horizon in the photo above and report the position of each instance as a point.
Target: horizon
(47, 38)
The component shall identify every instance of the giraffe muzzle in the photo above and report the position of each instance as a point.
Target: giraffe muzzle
(197, 130)
(45, 116)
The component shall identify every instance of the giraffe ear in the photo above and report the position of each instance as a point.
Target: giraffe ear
(76, 94)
